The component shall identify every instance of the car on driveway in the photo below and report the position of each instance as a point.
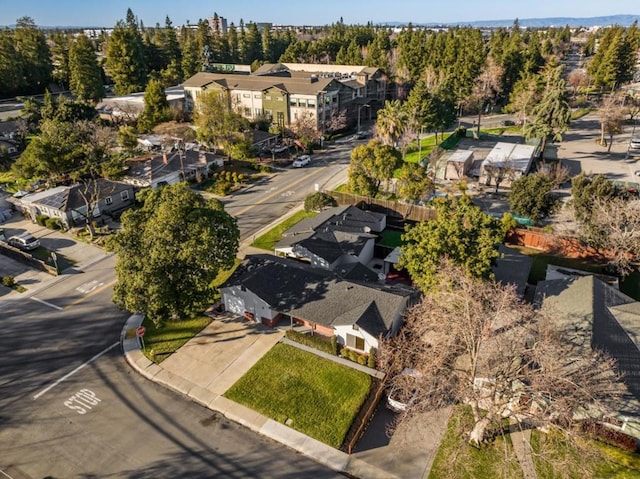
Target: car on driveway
(24, 241)
(634, 144)
(301, 161)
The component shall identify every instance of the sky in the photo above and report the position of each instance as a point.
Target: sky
(105, 13)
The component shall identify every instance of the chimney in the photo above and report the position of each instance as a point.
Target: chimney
(164, 158)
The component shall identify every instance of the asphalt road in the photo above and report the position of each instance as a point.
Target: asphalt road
(71, 407)
(270, 198)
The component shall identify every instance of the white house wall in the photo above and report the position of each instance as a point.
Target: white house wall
(342, 331)
(237, 301)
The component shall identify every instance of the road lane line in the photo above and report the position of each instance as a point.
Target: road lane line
(46, 303)
(268, 197)
(91, 293)
(5, 474)
(68, 375)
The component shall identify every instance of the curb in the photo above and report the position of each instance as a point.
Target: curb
(312, 448)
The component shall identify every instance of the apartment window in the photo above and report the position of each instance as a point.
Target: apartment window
(108, 200)
(267, 97)
(279, 98)
(294, 102)
(124, 195)
(302, 103)
(246, 95)
(355, 342)
(311, 103)
(247, 112)
(257, 95)
(258, 111)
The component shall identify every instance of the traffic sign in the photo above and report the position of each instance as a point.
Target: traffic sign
(140, 331)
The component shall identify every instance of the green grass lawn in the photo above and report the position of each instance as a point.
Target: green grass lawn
(315, 396)
(161, 342)
(600, 461)
(268, 240)
(391, 238)
(428, 144)
(44, 254)
(456, 458)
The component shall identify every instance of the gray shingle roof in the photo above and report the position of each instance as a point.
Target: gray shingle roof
(150, 167)
(319, 296)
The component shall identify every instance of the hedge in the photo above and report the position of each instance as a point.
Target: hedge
(313, 341)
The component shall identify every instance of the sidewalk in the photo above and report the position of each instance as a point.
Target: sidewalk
(205, 367)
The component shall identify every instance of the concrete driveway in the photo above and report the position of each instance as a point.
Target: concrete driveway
(222, 352)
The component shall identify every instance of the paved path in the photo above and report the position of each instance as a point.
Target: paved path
(521, 440)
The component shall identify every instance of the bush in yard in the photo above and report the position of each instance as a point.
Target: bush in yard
(319, 201)
(371, 360)
(223, 187)
(8, 281)
(53, 223)
(334, 345)
(312, 341)
(41, 219)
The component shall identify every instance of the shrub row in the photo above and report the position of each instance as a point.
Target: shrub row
(51, 223)
(314, 341)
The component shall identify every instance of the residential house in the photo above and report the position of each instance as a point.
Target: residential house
(587, 307)
(335, 238)
(159, 169)
(70, 204)
(270, 289)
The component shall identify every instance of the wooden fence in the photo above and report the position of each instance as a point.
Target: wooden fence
(364, 416)
(394, 208)
(537, 239)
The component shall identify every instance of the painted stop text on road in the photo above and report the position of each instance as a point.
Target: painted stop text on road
(83, 401)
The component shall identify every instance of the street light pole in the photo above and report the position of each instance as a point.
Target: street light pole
(359, 109)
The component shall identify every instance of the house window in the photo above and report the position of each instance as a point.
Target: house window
(108, 200)
(355, 342)
(124, 195)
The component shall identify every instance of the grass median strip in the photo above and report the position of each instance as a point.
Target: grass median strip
(315, 396)
(268, 240)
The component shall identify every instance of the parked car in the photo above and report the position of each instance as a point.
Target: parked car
(24, 241)
(301, 161)
(634, 144)
(508, 123)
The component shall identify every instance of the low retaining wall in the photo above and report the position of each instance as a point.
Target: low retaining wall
(27, 259)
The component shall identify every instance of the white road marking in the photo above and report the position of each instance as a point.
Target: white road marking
(85, 398)
(5, 474)
(46, 303)
(68, 375)
(88, 287)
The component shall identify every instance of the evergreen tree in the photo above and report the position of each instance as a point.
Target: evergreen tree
(190, 64)
(10, 72)
(60, 58)
(125, 57)
(33, 59)
(551, 116)
(234, 45)
(268, 50)
(252, 44)
(85, 75)
(156, 106)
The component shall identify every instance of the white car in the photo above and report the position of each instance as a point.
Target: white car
(634, 144)
(24, 242)
(301, 161)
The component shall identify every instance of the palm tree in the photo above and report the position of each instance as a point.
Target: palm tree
(392, 122)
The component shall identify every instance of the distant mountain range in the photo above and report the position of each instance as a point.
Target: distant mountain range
(622, 20)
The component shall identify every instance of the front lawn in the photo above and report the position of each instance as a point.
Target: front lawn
(315, 396)
(428, 144)
(457, 458)
(161, 342)
(268, 240)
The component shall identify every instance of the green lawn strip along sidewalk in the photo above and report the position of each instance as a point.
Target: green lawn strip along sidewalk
(268, 240)
(457, 458)
(320, 398)
(607, 461)
(161, 342)
(44, 254)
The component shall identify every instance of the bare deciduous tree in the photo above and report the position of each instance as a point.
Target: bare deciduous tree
(475, 342)
(614, 228)
(611, 116)
(577, 79)
(486, 87)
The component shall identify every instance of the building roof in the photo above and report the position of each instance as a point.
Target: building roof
(515, 156)
(133, 103)
(319, 296)
(460, 156)
(148, 168)
(595, 315)
(298, 85)
(513, 268)
(333, 232)
(67, 198)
